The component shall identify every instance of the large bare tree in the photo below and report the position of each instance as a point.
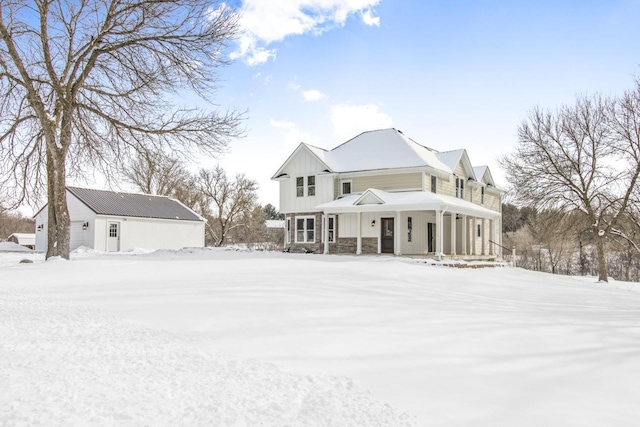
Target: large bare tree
(583, 157)
(84, 84)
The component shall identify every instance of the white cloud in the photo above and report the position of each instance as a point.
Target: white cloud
(266, 22)
(350, 120)
(292, 136)
(369, 19)
(313, 95)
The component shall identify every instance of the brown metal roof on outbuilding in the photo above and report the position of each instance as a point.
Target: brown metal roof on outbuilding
(133, 205)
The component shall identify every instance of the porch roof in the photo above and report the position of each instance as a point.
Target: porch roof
(374, 200)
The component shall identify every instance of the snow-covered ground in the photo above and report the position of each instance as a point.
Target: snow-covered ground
(236, 338)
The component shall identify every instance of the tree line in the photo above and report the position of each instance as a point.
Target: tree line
(559, 243)
(14, 222)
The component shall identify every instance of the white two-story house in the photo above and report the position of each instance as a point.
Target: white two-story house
(382, 192)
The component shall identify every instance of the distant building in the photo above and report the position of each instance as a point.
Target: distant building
(114, 221)
(24, 239)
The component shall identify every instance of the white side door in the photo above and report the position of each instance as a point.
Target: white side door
(113, 236)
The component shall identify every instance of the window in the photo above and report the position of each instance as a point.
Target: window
(460, 188)
(331, 222)
(305, 229)
(311, 186)
(434, 182)
(346, 187)
(482, 195)
(113, 230)
(299, 186)
(479, 230)
(288, 230)
(409, 228)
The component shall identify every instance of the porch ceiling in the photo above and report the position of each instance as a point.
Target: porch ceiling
(404, 201)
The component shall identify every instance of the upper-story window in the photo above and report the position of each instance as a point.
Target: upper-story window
(311, 185)
(346, 187)
(434, 183)
(460, 188)
(482, 195)
(300, 186)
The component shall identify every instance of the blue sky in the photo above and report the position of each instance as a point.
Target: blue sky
(449, 74)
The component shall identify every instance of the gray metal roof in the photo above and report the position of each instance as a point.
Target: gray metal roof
(133, 205)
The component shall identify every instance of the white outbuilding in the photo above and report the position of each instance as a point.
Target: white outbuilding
(27, 240)
(114, 221)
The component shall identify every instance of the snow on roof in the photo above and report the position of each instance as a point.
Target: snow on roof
(381, 149)
(405, 200)
(105, 202)
(13, 247)
(450, 158)
(274, 223)
(373, 150)
(24, 236)
(320, 153)
(481, 171)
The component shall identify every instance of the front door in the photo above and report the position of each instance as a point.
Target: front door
(113, 237)
(386, 239)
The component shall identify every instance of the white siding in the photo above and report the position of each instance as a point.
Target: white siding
(149, 233)
(418, 244)
(41, 236)
(79, 214)
(305, 164)
(348, 224)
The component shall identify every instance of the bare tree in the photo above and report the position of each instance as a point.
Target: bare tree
(155, 173)
(584, 157)
(86, 83)
(228, 200)
(555, 232)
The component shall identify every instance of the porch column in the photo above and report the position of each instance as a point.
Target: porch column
(397, 234)
(474, 232)
(464, 234)
(325, 221)
(453, 233)
(492, 232)
(359, 234)
(438, 233)
(286, 231)
(484, 238)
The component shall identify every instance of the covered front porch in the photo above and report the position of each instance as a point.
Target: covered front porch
(410, 223)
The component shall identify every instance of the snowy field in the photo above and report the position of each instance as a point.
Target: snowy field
(234, 338)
